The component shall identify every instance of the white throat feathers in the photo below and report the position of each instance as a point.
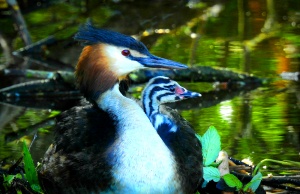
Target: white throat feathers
(137, 139)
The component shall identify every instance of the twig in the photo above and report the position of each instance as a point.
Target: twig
(28, 73)
(19, 20)
(34, 47)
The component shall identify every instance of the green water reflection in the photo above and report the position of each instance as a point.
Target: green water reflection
(261, 124)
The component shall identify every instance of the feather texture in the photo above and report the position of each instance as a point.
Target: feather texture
(174, 130)
(90, 35)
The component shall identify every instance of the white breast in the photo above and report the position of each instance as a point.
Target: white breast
(141, 161)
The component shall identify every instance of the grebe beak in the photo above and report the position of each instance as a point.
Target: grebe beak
(153, 61)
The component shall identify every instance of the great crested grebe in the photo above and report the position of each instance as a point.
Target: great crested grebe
(110, 145)
(174, 130)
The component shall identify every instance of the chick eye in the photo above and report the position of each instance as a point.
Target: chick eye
(125, 52)
(179, 90)
(172, 89)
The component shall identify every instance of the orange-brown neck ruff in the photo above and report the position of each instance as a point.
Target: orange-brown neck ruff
(93, 73)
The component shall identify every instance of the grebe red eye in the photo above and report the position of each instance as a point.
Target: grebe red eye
(125, 52)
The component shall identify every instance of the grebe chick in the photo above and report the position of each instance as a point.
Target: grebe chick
(175, 131)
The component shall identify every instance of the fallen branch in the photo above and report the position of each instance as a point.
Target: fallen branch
(196, 74)
(34, 48)
(39, 88)
(284, 182)
(67, 76)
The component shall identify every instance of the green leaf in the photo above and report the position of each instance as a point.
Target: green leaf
(211, 173)
(204, 183)
(8, 178)
(232, 181)
(19, 176)
(211, 145)
(29, 166)
(30, 171)
(36, 188)
(254, 183)
(215, 164)
(198, 136)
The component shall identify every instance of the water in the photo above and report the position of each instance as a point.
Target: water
(259, 124)
(258, 37)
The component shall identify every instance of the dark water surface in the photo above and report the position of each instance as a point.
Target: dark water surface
(261, 38)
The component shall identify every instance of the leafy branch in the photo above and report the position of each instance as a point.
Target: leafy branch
(211, 146)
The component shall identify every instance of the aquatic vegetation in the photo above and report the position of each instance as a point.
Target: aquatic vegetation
(23, 180)
(211, 146)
